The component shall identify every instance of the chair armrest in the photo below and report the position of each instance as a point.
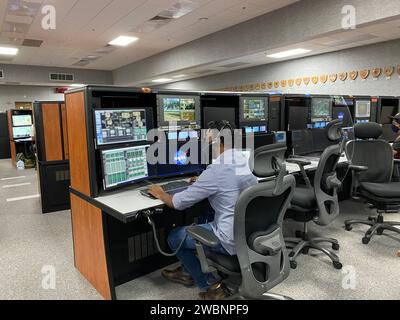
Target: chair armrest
(302, 163)
(299, 162)
(358, 169)
(203, 236)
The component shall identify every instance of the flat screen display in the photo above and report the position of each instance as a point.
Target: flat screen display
(125, 165)
(179, 109)
(120, 126)
(218, 114)
(22, 132)
(22, 120)
(254, 109)
(363, 109)
(321, 108)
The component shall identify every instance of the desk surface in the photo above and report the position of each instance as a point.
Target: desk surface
(126, 203)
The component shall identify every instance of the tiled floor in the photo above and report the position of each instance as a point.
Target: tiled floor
(31, 241)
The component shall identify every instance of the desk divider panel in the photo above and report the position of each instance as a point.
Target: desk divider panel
(65, 131)
(52, 132)
(89, 247)
(78, 144)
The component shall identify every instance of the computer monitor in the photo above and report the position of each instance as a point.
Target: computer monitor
(181, 111)
(363, 109)
(219, 113)
(321, 109)
(343, 114)
(302, 142)
(120, 126)
(298, 118)
(253, 109)
(280, 137)
(22, 132)
(386, 115)
(124, 166)
(22, 120)
(178, 162)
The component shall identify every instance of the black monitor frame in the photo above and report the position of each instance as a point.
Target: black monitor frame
(163, 124)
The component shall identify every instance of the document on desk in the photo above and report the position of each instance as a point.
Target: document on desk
(129, 201)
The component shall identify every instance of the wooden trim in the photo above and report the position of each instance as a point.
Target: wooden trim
(13, 150)
(65, 131)
(10, 131)
(89, 247)
(77, 142)
(52, 132)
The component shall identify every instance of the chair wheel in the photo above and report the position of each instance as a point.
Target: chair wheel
(293, 265)
(335, 247)
(305, 250)
(379, 232)
(365, 240)
(348, 227)
(337, 265)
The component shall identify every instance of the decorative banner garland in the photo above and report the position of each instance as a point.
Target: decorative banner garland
(388, 71)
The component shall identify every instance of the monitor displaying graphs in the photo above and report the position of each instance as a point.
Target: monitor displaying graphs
(321, 108)
(121, 166)
(179, 109)
(119, 126)
(254, 109)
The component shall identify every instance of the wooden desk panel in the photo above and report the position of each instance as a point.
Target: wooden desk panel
(65, 131)
(77, 141)
(52, 132)
(89, 248)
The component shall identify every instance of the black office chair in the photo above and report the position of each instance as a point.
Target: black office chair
(262, 261)
(320, 203)
(372, 165)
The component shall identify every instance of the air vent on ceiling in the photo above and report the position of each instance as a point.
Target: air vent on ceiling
(81, 63)
(61, 77)
(1, 74)
(234, 65)
(32, 43)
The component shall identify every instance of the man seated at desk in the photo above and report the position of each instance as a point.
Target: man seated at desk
(222, 183)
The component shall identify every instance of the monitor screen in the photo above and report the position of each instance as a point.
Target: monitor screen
(321, 108)
(217, 113)
(298, 118)
(363, 109)
(125, 165)
(22, 132)
(343, 114)
(253, 109)
(280, 137)
(119, 126)
(386, 115)
(22, 120)
(302, 142)
(182, 110)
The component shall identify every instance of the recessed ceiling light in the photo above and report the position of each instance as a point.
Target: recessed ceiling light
(123, 41)
(288, 53)
(179, 76)
(8, 51)
(161, 80)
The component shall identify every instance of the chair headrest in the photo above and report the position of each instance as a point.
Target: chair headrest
(366, 131)
(333, 130)
(265, 160)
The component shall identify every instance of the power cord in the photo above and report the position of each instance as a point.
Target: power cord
(150, 221)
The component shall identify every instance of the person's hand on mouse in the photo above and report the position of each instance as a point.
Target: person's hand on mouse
(156, 191)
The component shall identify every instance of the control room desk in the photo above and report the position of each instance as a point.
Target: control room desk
(114, 244)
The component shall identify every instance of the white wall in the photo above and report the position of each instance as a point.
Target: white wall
(10, 94)
(367, 57)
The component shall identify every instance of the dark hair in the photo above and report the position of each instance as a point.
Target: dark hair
(222, 125)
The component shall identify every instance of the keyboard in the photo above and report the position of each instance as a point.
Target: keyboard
(170, 188)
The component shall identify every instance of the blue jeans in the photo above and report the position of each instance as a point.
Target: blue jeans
(187, 254)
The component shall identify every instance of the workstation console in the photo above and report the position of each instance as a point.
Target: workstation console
(388, 107)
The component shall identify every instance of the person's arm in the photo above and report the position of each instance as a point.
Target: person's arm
(159, 193)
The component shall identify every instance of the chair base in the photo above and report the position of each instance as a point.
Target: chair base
(377, 227)
(303, 245)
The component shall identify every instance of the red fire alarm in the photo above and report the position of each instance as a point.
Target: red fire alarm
(61, 90)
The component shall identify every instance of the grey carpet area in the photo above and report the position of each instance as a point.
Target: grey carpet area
(30, 240)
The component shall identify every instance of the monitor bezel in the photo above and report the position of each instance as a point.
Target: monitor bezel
(102, 145)
(128, 183)
(162, 123)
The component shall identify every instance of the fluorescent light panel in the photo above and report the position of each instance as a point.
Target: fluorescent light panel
(123, 41)
(288, 53)
(8, 51)
(161, 80)
(179, 76)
